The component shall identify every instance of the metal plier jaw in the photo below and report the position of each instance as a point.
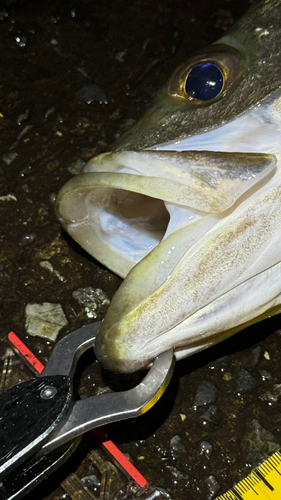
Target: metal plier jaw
(39, 416)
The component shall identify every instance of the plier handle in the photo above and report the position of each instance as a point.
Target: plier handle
(39, 419)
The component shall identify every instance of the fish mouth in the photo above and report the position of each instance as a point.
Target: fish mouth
(127, 203)
(145, 214)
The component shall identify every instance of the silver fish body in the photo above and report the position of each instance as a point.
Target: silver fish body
(187, 205)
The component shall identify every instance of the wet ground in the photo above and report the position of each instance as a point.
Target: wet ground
(74, 76)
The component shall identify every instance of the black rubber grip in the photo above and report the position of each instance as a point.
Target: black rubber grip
(29, 412)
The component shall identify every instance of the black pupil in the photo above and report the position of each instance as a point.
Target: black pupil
(204, 81)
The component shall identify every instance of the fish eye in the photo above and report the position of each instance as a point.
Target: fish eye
(204, 82)
(208, 76)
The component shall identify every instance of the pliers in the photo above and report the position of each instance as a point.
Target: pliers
(40, 422)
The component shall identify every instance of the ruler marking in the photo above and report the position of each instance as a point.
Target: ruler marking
(240, 486)
(265, 468)
(235, 492)
(276, 470)
(250, 480)
(275, 459)
(229, 495)
(259, 474)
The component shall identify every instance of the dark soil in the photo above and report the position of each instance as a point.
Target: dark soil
(50, 51)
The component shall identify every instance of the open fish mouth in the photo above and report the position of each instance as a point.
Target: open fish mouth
(129, 202)
(195, 232)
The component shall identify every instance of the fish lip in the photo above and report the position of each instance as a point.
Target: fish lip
(177, 181)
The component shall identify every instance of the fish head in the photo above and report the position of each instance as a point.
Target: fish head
(187, 204)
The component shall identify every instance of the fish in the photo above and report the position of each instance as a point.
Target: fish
(186, 206)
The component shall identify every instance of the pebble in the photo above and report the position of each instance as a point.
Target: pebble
(76, 167)
(47, 265)
(258, 443)
(265, 375)
(206, 449)
(8, 197)
(91, 480)
(8, 158)
(49, 111)
(25, 171)
(21, 40)
(176, 473)
(177, 447)
(254, 357)
(273, 395)
(210, 415)
(25, 188)
(213, 487)
(220, 364)
(23, 116)
(121, 56)
(94, 300)
(245, 382)
(206, 393)
(44, 320)
(27, 239)
(92, 93)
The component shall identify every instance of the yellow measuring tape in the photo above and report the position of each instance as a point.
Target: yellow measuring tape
(264, 483)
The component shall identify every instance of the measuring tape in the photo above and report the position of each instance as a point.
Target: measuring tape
(264, 483)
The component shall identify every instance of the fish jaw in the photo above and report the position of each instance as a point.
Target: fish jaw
(227, 280)
(170, 288)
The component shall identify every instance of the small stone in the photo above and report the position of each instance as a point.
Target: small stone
(92, 93)
(44, 320)
(258, 443)
(254, 357)
(177, 447)
(47, 265)
(116, 114)
(21, 40)
(49, 111)
(121, 56)
(245, 382)
(91, 480)
(27, 239)
(273, 395)
(267, 355)
(265, 375)
(8, 158)
(176, 473)
(8, 197)
(25, 188)
(23, 116)
(206, 449)
(94, 300)
(183, 417)
(76, 167)
(213, 487)
(206, 393)
(220, 364)
(210, 415)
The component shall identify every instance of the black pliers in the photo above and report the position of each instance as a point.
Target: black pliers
(40, 421)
